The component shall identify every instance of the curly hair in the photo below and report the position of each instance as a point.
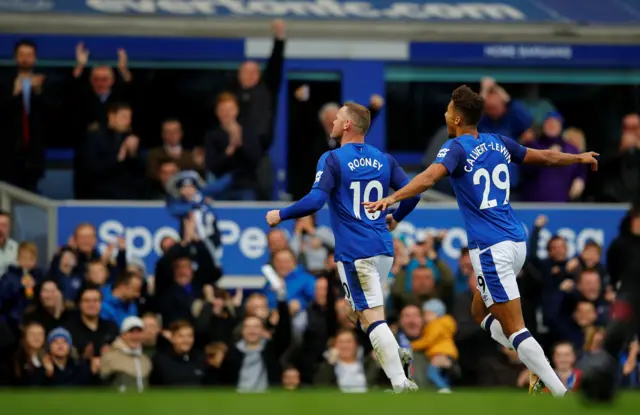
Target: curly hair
(468, 103)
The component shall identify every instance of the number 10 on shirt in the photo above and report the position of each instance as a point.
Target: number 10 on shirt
(359, 198)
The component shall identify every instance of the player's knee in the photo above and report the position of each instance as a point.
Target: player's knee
(511, 326)
(509, 315)
(370, 316)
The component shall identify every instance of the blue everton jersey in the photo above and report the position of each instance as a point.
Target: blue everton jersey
(353, 174)
(479, 170)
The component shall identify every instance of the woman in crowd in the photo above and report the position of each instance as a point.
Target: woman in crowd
(49, 309)
(30, 355)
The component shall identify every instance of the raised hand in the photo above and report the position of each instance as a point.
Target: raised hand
(36, 82)
(279, 28)
(122, 244)
(567, 285)
(107, 255)
(123, 65)
(376, 102)
(132, 143)
(82, 54)
(123, 59)
(302, 93)
(541, 221)
(17, 86)
(236, 301)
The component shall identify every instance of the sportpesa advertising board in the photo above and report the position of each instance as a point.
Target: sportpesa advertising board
(244, 230)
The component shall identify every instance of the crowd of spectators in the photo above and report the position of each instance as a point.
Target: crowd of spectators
(538, 124)
(100, 103)
(98, 106)
(102, 319)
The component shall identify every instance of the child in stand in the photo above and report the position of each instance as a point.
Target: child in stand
(17, 286)
(564, 360)
(437, 344)
(188, 199)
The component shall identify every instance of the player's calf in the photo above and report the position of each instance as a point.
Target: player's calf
(509, 314)
(384, 345)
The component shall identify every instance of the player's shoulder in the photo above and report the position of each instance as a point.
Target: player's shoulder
(327, 157)
(452, 144)
(492, 137)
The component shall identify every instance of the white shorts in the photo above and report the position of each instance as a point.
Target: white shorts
(497, 268)
(363, 281)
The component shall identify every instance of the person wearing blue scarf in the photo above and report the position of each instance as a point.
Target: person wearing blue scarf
(188, 197)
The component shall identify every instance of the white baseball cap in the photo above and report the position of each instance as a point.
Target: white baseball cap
(130, 323)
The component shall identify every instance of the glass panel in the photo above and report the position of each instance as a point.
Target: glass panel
(307, 138)
(415, 110)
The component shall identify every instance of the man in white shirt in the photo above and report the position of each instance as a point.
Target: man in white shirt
(8, 247)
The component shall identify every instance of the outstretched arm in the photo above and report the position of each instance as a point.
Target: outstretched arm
(311, 203)
(326, 177)
(422, 182)
(446, 162)
(552, 158)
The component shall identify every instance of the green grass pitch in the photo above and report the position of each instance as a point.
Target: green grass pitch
(312, 402)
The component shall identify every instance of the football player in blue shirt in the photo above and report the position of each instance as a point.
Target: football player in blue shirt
(347, 177)
(478, 166)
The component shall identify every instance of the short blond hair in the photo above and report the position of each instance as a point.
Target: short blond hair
(226, 97)
(359, 115)
(28, 247)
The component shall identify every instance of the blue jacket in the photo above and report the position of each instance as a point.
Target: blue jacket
(114, 309)
(13, 298)
(301, 286)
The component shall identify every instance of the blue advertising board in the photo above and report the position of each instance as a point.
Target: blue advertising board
(525, 55)
(244, 229)
(539, 11)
